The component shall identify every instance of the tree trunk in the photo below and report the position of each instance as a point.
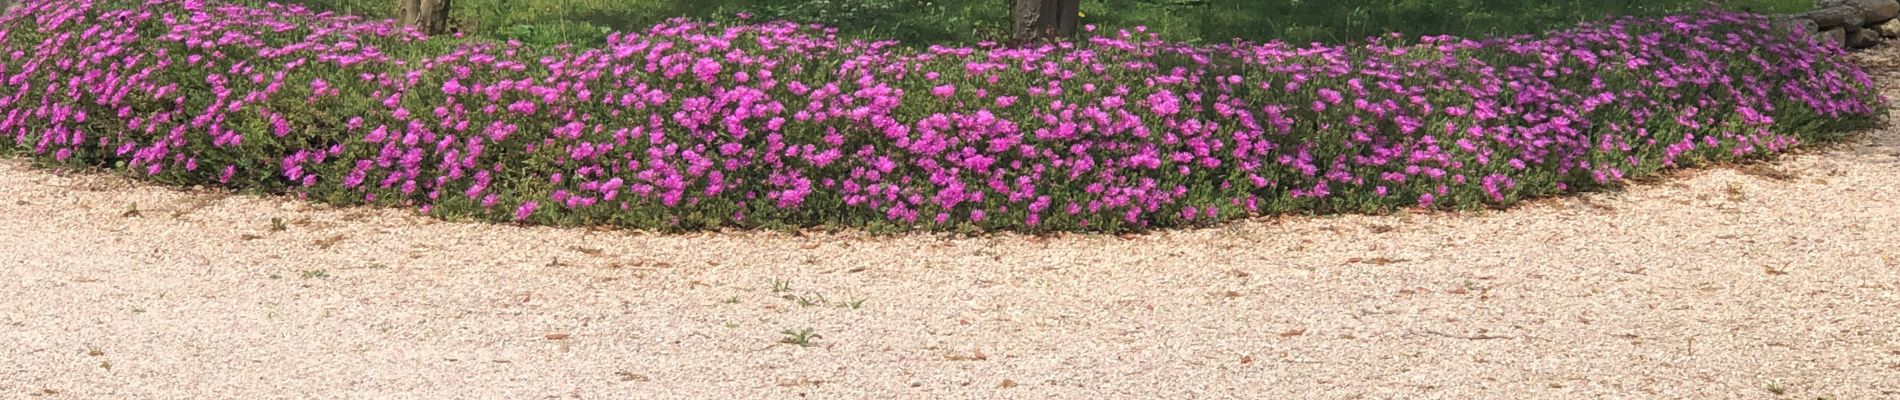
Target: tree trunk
(429, 16)
(1041, 20)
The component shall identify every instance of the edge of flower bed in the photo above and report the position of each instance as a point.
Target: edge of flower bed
(964, 227)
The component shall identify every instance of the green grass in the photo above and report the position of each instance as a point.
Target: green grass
(969, 21)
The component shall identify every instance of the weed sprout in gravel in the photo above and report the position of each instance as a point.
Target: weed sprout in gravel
(691, 125)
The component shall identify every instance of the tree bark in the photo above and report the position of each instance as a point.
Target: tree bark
(429, 16)
(1042, 20)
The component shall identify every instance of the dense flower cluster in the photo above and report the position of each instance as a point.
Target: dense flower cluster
(697, 125)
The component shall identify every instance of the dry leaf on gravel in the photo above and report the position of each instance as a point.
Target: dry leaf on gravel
(327, 243)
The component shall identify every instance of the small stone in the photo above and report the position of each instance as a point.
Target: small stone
(1007, 384)
(1889, 29)
(1862, 38)
(1832, 37)
(557, 336)
(1807, 26)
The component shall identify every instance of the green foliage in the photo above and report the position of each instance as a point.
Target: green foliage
(801, 337)
(909, 21)
(549, 34)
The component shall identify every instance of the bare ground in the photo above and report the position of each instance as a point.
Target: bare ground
(1779, 280)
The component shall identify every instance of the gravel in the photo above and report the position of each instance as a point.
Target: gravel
(1757, 281)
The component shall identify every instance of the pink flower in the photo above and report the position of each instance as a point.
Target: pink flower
(525, 210)
(707, 70)
(1330, 96)
(1164, 103)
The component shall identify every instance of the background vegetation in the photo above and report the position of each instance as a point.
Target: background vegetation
(970, 21)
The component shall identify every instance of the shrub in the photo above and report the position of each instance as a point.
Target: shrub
(691, 125)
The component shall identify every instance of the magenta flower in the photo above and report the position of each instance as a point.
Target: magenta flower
(526, 209)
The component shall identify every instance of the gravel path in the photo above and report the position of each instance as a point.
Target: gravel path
(1770, 281)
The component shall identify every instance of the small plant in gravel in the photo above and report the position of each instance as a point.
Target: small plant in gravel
(316, 274)
(811, 299)
(691, 125)
(277, 225)
(781, 286)
(802, 337)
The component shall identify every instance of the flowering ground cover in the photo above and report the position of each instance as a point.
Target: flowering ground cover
(692, 125)
(925, 22)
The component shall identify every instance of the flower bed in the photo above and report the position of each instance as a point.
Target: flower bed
(691, 125)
